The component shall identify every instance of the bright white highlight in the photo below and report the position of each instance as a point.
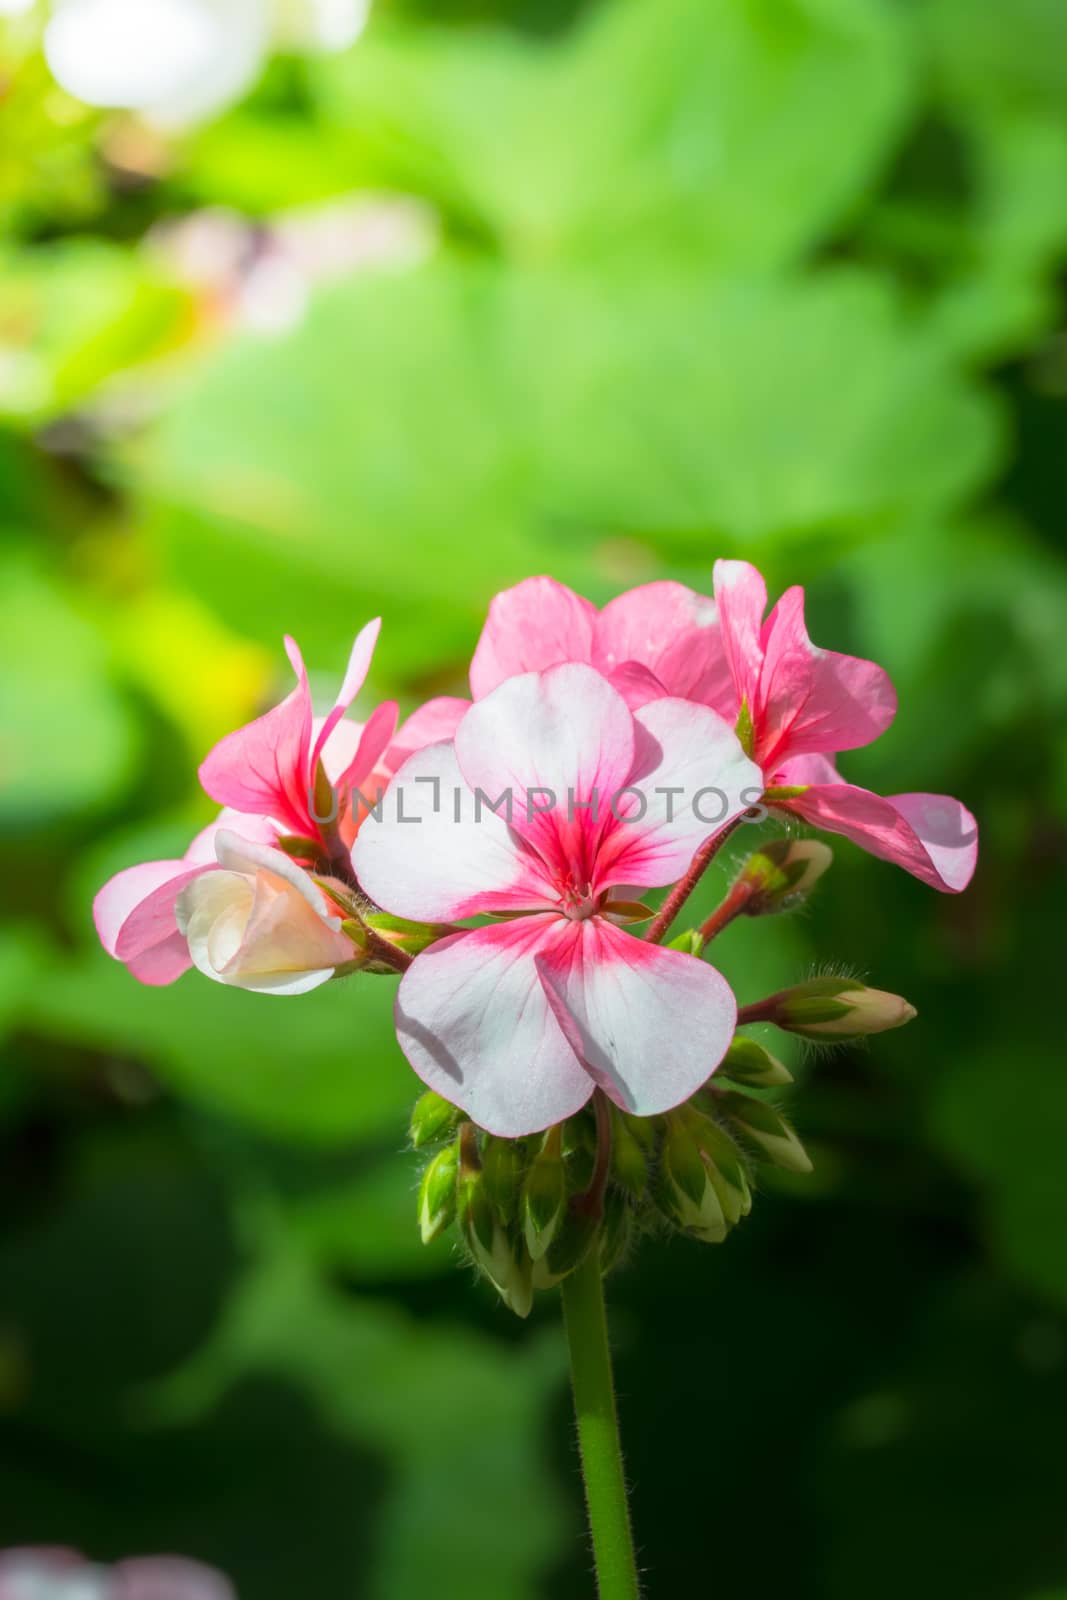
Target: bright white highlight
(174, 60)
(179, 61)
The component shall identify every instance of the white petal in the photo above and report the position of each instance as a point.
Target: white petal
(650, 1025)
(438, 853)
(473, 1019)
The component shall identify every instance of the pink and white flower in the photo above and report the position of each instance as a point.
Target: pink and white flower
(269, 767)
(660, 639)
(518, 1022)
(802, 705)
(258, 921)
(134, 911)
(264, 777)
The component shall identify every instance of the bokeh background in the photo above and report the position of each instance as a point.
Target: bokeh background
(307, 317)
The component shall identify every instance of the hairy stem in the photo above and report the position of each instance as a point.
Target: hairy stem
(674, 902)
(598, 1431)
(592, 1201)
(723, 915)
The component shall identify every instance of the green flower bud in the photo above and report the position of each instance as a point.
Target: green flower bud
(684, 1192)
(724, 1166)
(781, 874)
(437, 1193)
(544, 1196)
(474, 1211)
(411, 937)
(749, 1063)
(616, 1229)
(433, 1118)
(503, 1161)
(629, 1158)
(573, 1238)
(833, 1008)
(579, 1152)
(692, 942)
(488, 1239)
(768, 1131)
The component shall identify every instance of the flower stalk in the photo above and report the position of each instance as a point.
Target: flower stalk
(678, 896)
(585, 1319)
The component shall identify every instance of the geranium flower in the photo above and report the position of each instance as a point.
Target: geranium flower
(258, 921)
(799, 705)
(264, 777)
(517, 1022)
(660, 639)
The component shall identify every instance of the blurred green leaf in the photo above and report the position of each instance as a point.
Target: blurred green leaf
(743, 416)
(328, 1071)
(66, 739)
(72, 314)
(472, 1514)
(368, 1227)
(702, 126)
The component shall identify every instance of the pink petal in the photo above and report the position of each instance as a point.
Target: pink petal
(432, 723)
(437, 854)
(260, 922)
(741, 597)
(688, 748)
(473, 1019)
(636, 684)
(355, 676)
(807, 770)
(371, 747)
(536, 625)
(674, 633)
(650, 1025)
(551, 740)
(932, 836)
(257, 830)
(161, 964)
(123, 893)
(235, 854)
(813, 700)
(264, 767)
(152, 922)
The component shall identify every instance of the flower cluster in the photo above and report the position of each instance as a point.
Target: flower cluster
(602, 755)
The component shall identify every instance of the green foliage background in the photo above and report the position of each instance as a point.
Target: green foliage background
(774, 278)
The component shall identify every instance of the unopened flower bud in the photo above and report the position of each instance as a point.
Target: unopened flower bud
(616, 1229)
(493, 1249)
(724, 1165)
(437, 1193)
(832, 1008)
(684, 1191)
(629, 1158)
(544, 1195)
(781, 874)
(433, 1118)
(767, 1130)
(573, 1239)
(503, 1161)
(749, 1063)
(692, 942)
(579, 1141)
(411, 937)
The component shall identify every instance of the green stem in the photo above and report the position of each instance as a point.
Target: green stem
(598, 1431)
